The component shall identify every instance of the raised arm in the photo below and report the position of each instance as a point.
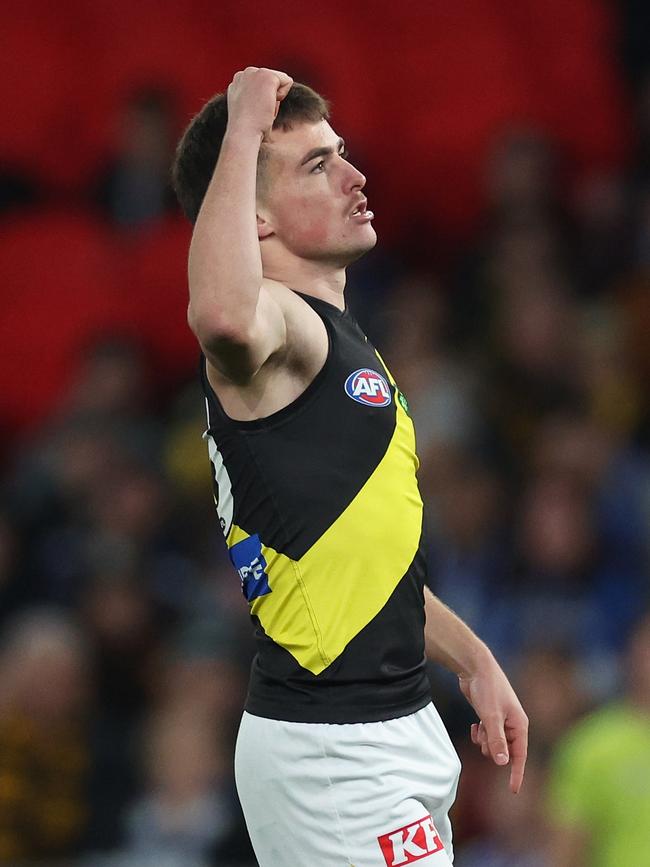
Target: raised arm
(238, 324)
(502, 730)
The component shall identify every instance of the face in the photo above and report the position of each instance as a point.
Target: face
(311, 196)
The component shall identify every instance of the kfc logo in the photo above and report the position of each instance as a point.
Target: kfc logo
(407, 845)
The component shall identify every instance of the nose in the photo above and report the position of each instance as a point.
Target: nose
(354, 179)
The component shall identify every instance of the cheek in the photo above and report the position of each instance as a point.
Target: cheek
(313, 232)
(309, 223)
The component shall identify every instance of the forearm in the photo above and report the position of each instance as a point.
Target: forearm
(502, 732)
(225, 264)
(451, 642)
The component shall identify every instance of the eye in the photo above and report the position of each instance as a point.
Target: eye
(344, 154)
(319, 167)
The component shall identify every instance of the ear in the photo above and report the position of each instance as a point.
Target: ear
(264, 228)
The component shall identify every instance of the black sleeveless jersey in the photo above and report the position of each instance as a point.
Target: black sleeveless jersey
(322, 515)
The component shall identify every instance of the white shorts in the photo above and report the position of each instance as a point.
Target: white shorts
(355, 795)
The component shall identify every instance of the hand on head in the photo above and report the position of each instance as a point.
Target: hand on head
(254, 98)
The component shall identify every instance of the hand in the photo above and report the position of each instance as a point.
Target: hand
(254, 97)
(502, 732)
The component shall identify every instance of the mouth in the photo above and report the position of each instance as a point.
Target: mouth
(361, 211)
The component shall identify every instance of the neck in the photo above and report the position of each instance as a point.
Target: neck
(318, 279)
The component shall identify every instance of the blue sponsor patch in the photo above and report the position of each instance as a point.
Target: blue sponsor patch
(248, 560)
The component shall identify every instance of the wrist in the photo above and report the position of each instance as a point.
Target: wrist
(243, 134)
(476, 660)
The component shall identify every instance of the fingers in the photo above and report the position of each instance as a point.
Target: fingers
(496, 739)
(480, 738)
(517, 772)
(501, 749)
(284, 81)
(254, 98)
(518, 754)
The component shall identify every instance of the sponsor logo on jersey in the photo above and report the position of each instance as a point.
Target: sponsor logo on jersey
(249, 561)
(404, 402)
(411, 843)
(369, 387)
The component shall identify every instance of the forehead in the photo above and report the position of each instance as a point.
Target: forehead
(288, 148)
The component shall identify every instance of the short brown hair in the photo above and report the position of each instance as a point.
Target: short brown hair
(198, 150)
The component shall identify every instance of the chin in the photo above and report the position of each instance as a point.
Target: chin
(361, 246)
(366, 247)
(343, 253)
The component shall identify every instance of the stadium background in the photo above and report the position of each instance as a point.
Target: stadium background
(507, 150)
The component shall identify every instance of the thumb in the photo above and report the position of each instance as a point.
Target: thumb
(496, 740)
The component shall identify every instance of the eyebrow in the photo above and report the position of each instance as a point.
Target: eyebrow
(322, 152)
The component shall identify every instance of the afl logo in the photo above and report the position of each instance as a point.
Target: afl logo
(369, 387)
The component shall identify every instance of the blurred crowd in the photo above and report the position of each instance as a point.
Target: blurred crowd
(525, 355)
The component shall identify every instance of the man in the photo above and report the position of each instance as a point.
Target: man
(341, 758)
(599, 791)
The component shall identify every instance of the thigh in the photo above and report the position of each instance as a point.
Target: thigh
(436, 777)
(282, 781)
(394, 783)
(360, 795)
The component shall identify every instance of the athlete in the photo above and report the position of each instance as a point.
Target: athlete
(341, 757)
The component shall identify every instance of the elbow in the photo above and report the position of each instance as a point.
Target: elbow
(213, 328)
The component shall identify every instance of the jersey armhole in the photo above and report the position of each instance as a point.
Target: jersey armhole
(282, 415)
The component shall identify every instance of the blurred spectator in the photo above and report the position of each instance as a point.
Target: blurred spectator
(208, 667)
(184, 463)
(102, 426)
(135, 189)
(564, 579)
(642, 161)
(516, 831)
(555, 692)
(121, 623)
(602, 213)
(182, 814)
(613, 395)
(600, 785)
(470, 558)
(187, 816)
(521, 176)
(438, 384)
(610, 469)
(534, 357)
(15, 588)
(44, 741)
(111, 379)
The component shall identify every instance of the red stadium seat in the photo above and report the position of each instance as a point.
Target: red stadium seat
(418, 93)
(156, 283)
(60, 288)
(136, 45)
(40, 129)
